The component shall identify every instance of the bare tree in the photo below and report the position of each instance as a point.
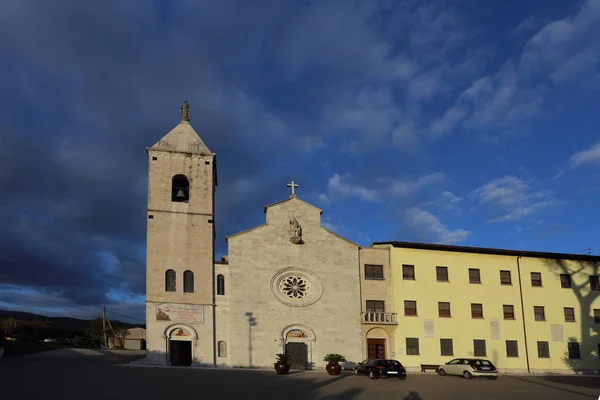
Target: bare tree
(580, 285)
(9, 325)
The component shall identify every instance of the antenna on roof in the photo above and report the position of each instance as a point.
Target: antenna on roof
(588, 251)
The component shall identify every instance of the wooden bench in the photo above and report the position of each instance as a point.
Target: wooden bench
(425, 367)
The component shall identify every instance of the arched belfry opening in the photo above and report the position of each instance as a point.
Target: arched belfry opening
(180, 189)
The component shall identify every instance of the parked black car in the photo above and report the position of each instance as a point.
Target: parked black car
(380, 368)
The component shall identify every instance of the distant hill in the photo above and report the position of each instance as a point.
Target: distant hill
(55, 326)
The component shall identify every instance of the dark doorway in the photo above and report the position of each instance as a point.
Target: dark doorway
(376, 348)
(298, 353)
(181, 352)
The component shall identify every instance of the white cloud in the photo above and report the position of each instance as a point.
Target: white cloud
(382, 189)
(427, 224)
(565, 48)
(589, 156)
(496, 102)
(514, 198)
(562, 51)
(372, 114)
(446, 201)
(323, 199)
(343, 189)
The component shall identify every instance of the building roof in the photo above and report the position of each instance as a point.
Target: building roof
(292, 197)
(484, 250)
(182, 139)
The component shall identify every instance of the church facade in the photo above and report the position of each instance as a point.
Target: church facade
(292, 286)
(287, 286)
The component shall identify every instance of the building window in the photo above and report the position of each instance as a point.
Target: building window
(170, 277)
(441, 274)
(538, 313)
(479, 348)
(446, 347)
(412, 346)
(222, 349)
(444, 309)
(573, 348)
(408, 272)
(597, 315)
(476, 310)
(180, 189)
(220, 285)
(474, 276)
(188, 282)
(505, 278)
(536, 279)
(565, 281)
(569, 314)
(373, 271)
(509, 311)
(410, 307)
(543, 350)
(594, 282)
(512, 348)
(375, 306)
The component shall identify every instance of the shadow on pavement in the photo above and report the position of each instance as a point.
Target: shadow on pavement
(581, 381)
(543, 383)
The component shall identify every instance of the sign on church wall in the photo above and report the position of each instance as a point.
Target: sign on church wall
(495, 329)
(429, 328)
(557, 333)
(180, 313)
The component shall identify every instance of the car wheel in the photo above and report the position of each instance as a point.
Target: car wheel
(467, 375)
(355, 372)
(372, 375)
(441, 372)
(402, 378)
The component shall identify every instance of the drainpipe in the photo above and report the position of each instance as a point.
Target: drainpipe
(523, 315)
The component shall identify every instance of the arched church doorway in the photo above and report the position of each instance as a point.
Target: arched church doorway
(180, 347)
(298, 345)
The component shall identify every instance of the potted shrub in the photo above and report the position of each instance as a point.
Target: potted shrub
(333, 366)
(282, 366)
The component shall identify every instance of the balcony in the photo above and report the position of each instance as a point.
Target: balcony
(382, 318)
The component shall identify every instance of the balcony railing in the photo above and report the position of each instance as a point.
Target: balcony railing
(379, 318)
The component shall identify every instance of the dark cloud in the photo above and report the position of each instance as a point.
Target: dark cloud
(86, 86)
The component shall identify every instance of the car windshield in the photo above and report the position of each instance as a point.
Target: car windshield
(390, 363)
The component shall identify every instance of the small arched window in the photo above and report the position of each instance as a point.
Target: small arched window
(180, 189)
(188, 282)
(170, 277)
(220, 285)
(222, 349)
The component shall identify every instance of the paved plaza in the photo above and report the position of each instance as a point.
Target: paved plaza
(101, 374)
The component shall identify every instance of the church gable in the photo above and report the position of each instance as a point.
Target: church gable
(291, 219)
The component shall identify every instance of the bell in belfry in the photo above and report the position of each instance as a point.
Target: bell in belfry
(180, 195)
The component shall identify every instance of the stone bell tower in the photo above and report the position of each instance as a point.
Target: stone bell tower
(182, 177)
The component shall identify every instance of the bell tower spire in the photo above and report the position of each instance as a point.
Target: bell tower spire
(182, 177)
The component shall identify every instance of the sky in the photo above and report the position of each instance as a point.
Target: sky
(457, 122)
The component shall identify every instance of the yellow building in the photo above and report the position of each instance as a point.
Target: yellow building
(525, 311)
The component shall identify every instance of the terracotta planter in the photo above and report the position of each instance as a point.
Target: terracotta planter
(282, 369)
(333, 368)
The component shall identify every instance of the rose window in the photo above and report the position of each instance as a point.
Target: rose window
(295, 287)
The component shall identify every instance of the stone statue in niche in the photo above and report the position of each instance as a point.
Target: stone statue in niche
(295, 231)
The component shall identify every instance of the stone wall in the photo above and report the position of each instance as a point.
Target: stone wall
(332, 262)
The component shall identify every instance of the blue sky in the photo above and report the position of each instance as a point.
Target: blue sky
(458, 122)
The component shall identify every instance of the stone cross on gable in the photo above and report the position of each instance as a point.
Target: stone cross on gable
(292, 185)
